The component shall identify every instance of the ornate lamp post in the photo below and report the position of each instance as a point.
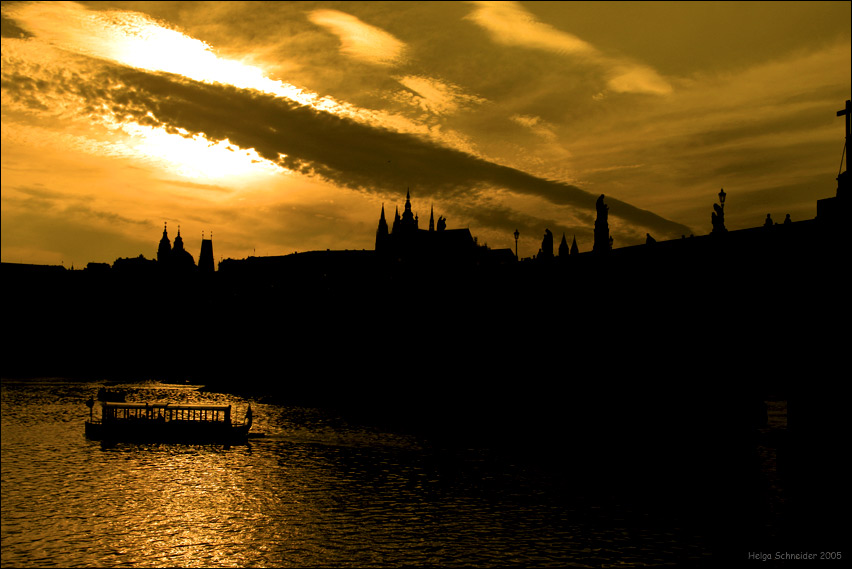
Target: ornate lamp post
(718, 215)
(517, 234)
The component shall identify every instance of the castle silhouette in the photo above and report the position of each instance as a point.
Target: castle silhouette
(403, 246)
(785, 265)
(406, 241)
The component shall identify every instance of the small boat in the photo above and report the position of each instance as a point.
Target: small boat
(166, 422)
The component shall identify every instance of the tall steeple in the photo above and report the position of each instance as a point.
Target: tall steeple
(165, 248)
(563, 247)
(181, 259)
(178, 242)
(381, 231)
(408, 221)
(432, 218)
(172, 258)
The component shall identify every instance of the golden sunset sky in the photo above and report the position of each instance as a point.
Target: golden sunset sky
(286, 126)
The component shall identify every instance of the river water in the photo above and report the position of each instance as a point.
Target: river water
(316, 491)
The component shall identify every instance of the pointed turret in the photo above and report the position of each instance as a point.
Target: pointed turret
(574, 249)
(381, 231)
(165, 248)
(563, 247)
(396, 221)
(181, 259)
(432, 218)
(178, 242)
(408, 221)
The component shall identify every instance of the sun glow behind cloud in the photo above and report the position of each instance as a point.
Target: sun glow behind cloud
(530, 112)
(196, 156)
(138, 41)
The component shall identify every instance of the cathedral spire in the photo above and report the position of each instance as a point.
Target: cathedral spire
(564, 250)
(409, 222)
(396, 220)
(381, 231)
(174, 257)
(432, 218)
(165, 247)
(178, 241)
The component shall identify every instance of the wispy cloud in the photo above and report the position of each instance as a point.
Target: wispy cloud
(508, 23)
(138, 41)
(536, 125)
(360, 40)
(316, 143)
(222, 108)
(435, 96)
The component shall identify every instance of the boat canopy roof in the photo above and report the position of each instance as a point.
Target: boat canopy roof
(187, 407)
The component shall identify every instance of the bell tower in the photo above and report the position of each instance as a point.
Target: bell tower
(165, 248)
(205, 257)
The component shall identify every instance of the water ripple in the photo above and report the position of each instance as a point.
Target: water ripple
(316, 492)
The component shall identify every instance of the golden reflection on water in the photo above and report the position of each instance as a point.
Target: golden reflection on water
(174, 503)
(315, 492)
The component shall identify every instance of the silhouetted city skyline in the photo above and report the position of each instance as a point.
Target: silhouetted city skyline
(489, 277)
(297, 150)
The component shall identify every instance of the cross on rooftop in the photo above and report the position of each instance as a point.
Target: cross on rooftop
(847, 112)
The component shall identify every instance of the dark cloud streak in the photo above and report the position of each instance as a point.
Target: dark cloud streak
(338, 149)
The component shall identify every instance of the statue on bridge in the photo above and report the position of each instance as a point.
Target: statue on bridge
(717, 218)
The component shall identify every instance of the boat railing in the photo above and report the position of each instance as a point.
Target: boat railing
(165, 412)
(167, 421)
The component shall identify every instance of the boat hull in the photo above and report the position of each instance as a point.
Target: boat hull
(169, 432)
